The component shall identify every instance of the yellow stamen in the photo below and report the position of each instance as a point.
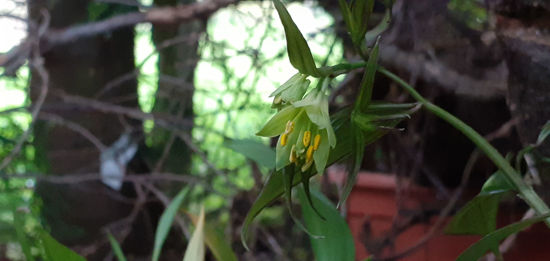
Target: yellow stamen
(309, 154)
(316, 142)
(292, 158)
(289, 127)
(307, 138)
(307, 165)
(284, 138)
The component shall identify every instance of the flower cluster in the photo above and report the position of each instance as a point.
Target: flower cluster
(303, 124)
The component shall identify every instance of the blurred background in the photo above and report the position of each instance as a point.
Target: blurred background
(109, 107)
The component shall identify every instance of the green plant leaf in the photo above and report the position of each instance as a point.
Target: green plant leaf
(346, 14)
(497, 183)
(55, 251)
(361, 13)
(337, 241)
(254, 150)
(359, 151)
(216, 241)
(195, 248)
(165, 222)
(19, 224)
(491, 240)
(544, 133)
(299, 53)
(478, 216)
(116, 248)
(373, 34)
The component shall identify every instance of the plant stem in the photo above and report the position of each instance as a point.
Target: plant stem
(525, 190)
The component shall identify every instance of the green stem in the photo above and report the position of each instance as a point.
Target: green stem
(525, 191)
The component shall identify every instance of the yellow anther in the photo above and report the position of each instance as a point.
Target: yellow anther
(316, 142)
(284, 138)
(292, 158)
(289, 127)
(307, 165)
(307, 138)
(309, 154)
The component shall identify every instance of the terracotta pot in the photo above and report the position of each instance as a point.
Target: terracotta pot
(372, 204)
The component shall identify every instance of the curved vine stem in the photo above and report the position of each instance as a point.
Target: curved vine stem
(525, 191)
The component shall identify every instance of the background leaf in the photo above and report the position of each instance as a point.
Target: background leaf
(55, 251)
(195, 248)
(116, 248)
(165, 222)
(337, 241)
(18, 220)
(487, 243)
(216, 241)
(254, 150)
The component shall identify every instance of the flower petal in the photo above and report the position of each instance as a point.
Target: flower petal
(321, 154)
(276, 125)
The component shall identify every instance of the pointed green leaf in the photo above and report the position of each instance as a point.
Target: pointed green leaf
(116, 248)
(165, 222)
(477, 217)
(367, 83)
(298, 50)
(544, 133)
(195, 249)
(488, 242)
(254, 150)
(358, 152)
(305, 186)
(362, 10)
(497, 183)
(346, 14)
(337, 241)
(216, 242)
(55, 251)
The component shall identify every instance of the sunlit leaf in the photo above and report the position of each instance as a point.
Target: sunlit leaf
(195, 248)
(116, 248)
(299, 53)
(491, 240)
(337, 241)
(165, 222)
(254, 150)
(19, 224)
(55, 251)
(216, 242)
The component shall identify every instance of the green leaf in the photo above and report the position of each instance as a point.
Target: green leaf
(337, 242)
(215, 240)
(358, 152)
(362, 10)
(165, 222)
(116, 248)
(379, 28)
(490, 241)
(299, 53)
(544, 133)
(367, 83)
(254, 150)
(346, 14)
(478, 216)
(19, 224)
(195, 248)
(55, 251)
(497, 183)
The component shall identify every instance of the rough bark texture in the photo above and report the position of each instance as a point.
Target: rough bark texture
(75, 213)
